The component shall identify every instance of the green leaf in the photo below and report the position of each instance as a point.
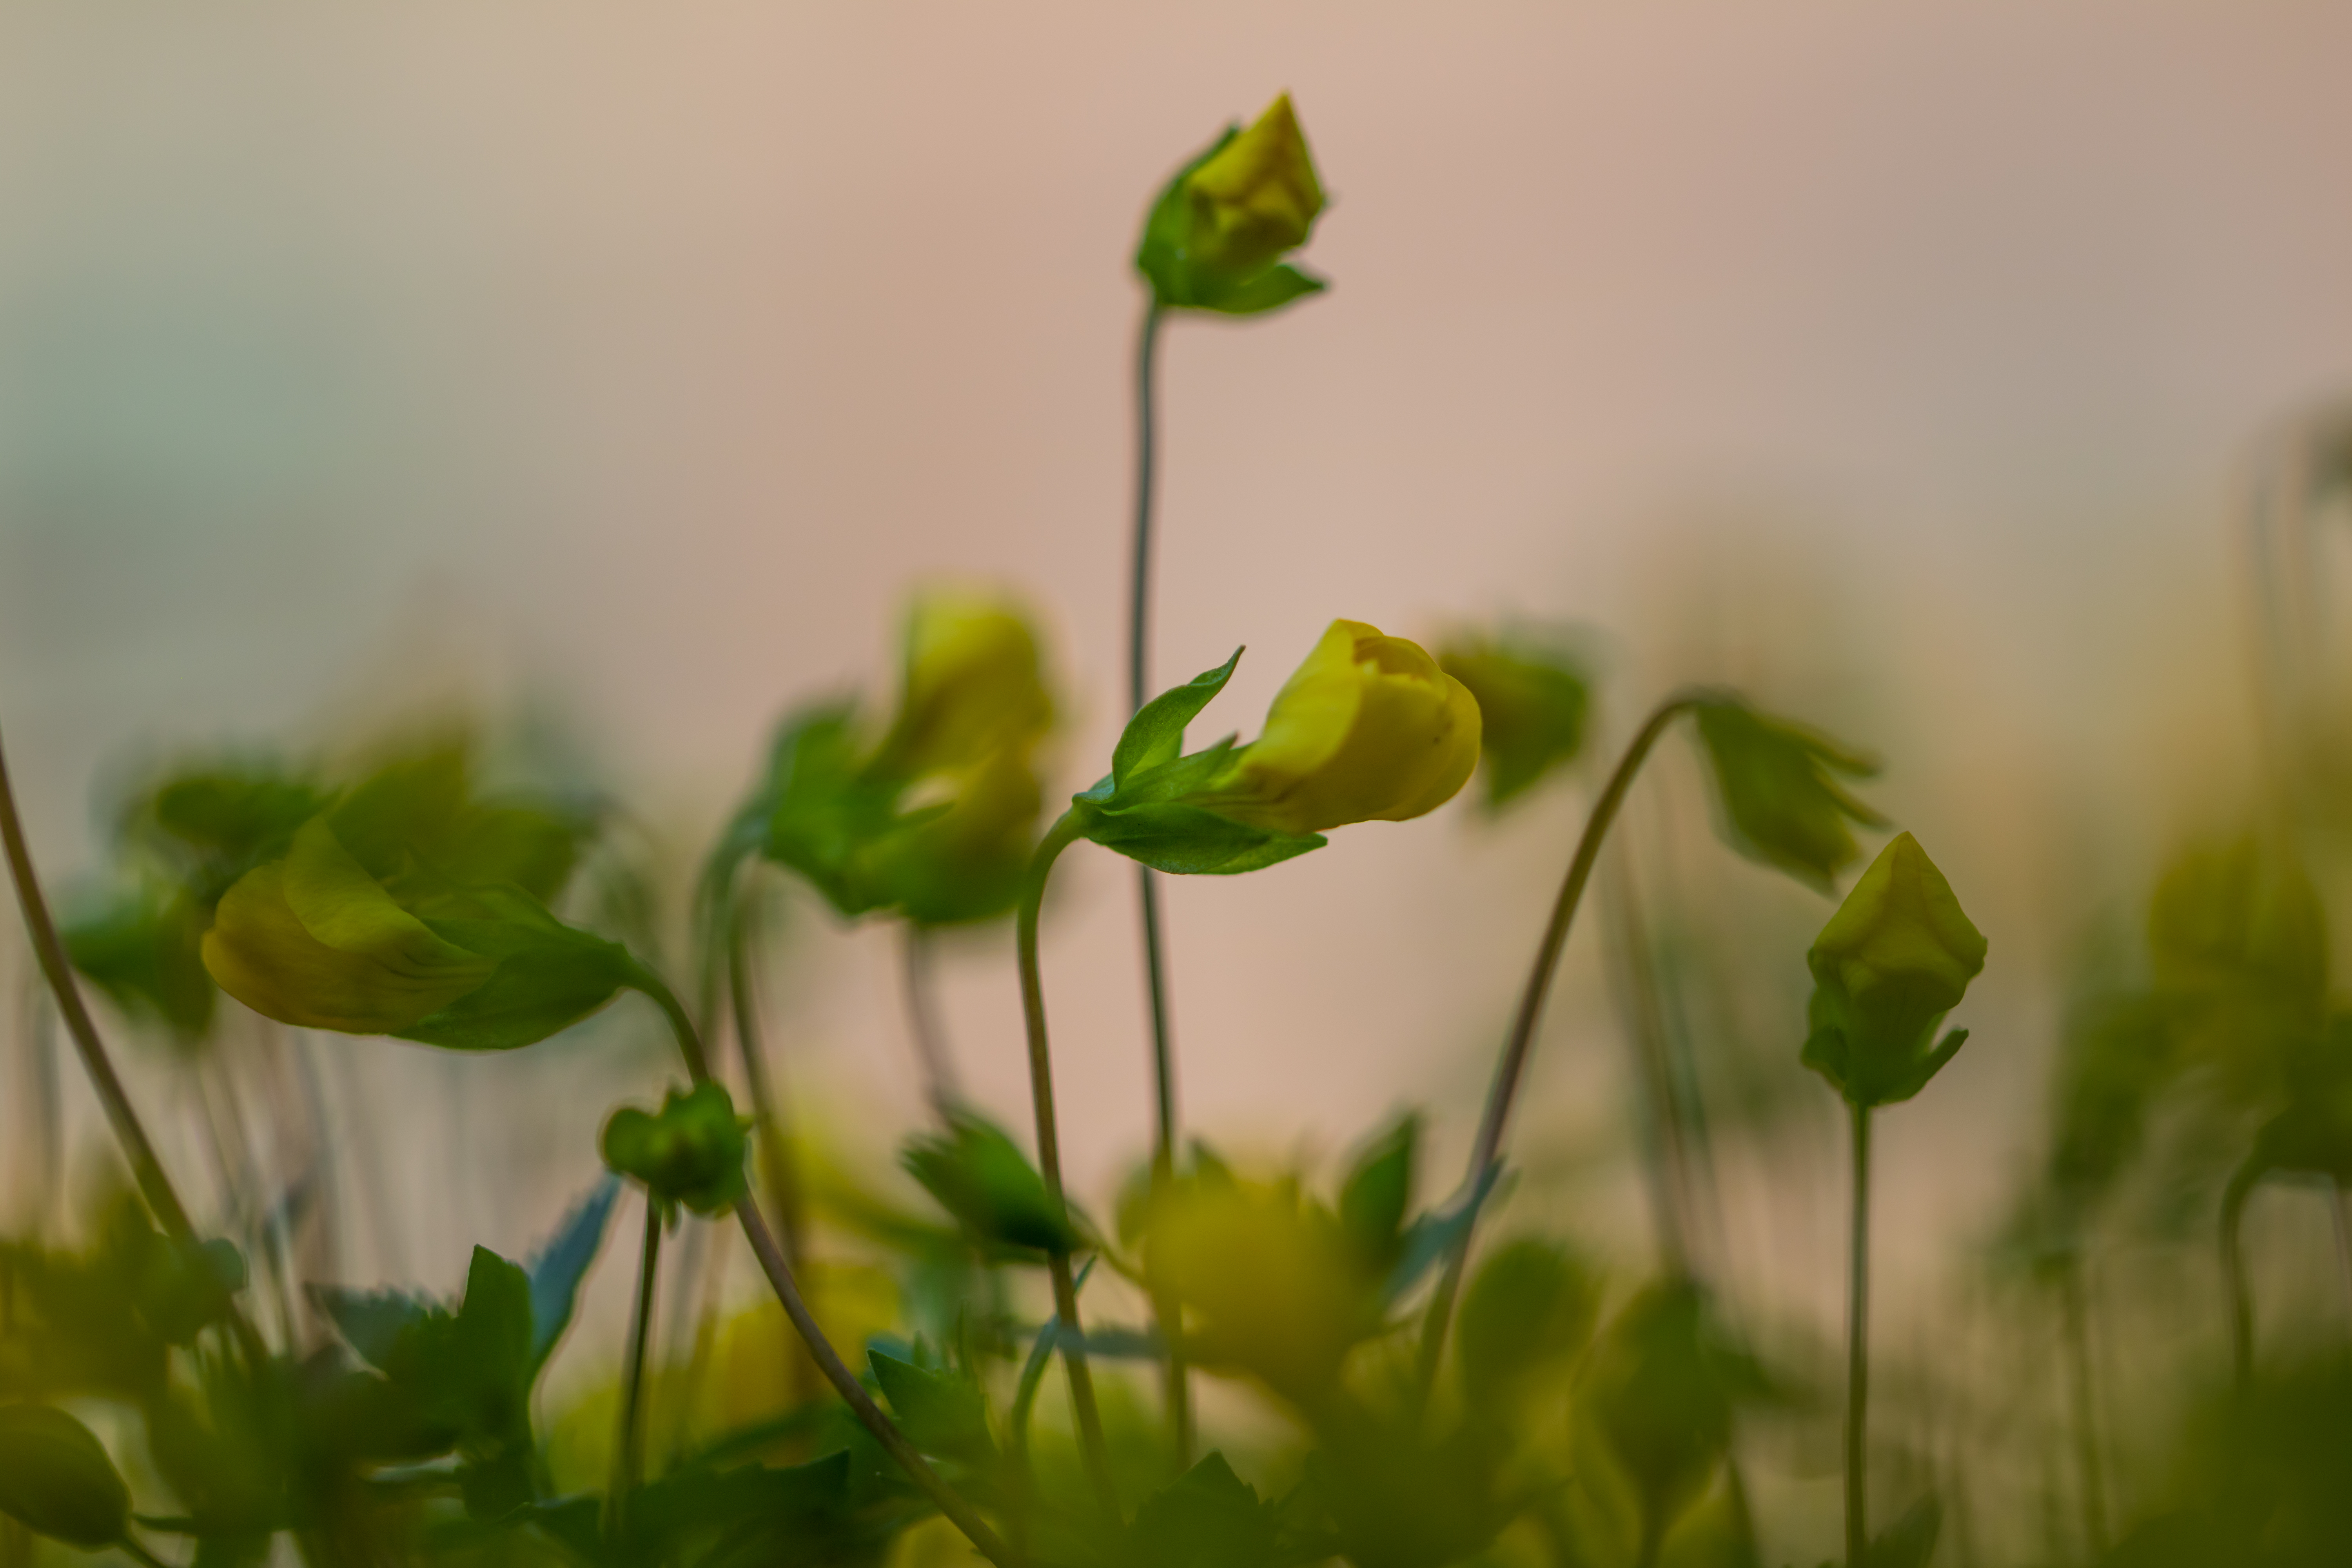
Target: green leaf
(209, 822)
(373, 1322)
(1207, 1518)
(1530, 1305)
(982, 1177)
(1659, 1392)
(488, 1370)
(1378, 1192)
(1781, 803)
(1535, 704)
(57, 1478)
(825, 814)
(1432, 1235)
(943, 1413)
(1155, 736)
(558, 1268)
(1268, 290)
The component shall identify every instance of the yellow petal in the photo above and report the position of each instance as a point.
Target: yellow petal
(1257, 197)
(314, 942)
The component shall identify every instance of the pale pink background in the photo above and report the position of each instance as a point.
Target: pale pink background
(1898, 363)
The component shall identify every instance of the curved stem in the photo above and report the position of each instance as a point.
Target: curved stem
(767, 1113)
(2234, 1275)
(940, 1085)
(1857, 1349)
(1512, 1065)
(1147, 442)
(147, 1170)
(1063, 833)
(780, 1278)
(629, 1443)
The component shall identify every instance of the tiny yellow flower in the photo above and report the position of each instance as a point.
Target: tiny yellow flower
(1269, 1284)
(1257, 197)
(1896, 956)
(315, 941)
(972, 686)
(1367, 730)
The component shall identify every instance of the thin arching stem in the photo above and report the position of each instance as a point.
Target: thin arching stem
(780, 1278)
(766, 1107)
(1096, 1451)
(629, 1443)
(1858, 1348)
(146, 1169)
(1512, 1065)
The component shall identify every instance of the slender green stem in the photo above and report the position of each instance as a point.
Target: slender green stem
(1176, 1375)
(628, 1442)
(780, 1278)
(1512, 1065)
(2340, 1211)
(940, 1085)
(1096, 1451)
(767, 1109)
(1857, 1350)
(2234, 1275)
(146, 1169)
(2075, 1308)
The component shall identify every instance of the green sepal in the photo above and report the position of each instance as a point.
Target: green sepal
(1869, 1081)
(1143, 809)
(57, 1478)
(942, 1412)
(980, 1176)
(692, 1153)
(550, 976)
(1155, 736)
(1190, 840)
(1774, 785)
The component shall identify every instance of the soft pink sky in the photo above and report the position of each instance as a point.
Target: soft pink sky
(1896, 362)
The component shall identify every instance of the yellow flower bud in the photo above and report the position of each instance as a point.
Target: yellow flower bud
(1256, 198)
(1367, 730)
(972, 686)
(315, 941)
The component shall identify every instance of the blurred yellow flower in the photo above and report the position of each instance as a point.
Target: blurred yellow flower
(1368, 728)
(315, 941)
(972, 686)
(1256, 198)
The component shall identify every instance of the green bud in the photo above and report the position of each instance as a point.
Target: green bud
(1215, 235)
(690, 1153)
(2238, 948)
(1781, 805)
(1896, 956)
(1533, 705)
(318, 941)
(57, 1479)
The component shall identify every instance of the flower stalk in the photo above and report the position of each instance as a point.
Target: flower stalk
(1857, 1347)
(782, 1280)
(1094, 1448)
(1511, 1066)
